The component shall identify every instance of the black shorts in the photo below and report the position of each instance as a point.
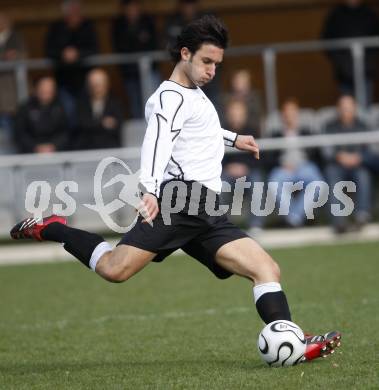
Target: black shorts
(200, 236)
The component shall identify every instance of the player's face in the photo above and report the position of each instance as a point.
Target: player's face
(201, 66)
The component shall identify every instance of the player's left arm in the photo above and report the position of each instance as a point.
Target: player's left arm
(241, 142)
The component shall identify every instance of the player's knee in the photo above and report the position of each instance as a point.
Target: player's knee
(275, 269)
(272, 271)
(267, 271)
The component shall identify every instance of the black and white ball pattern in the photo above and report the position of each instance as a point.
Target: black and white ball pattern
(281, 343)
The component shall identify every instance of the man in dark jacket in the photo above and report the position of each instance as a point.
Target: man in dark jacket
(134, 31)
(349, 20)
(346, 162)
(100, 115)
(41, 123)
(69, 41)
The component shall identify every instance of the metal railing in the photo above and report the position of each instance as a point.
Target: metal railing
(265, 144)
(269, 54)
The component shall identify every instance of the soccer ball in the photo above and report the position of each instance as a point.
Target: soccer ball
(281, 343)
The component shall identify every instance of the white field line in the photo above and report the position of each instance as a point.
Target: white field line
(275, 238)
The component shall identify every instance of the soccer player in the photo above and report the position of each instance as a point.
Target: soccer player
(184, 142)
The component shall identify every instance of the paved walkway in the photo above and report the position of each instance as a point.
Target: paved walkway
(273, 238)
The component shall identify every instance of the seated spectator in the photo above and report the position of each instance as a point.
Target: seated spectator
(100, 115)
(11, 48)
(241, 88)
(236, 165)
(292, 165)
(41, 123)
(68, 42)
(345, 162)
(349, 20)
(134, 31)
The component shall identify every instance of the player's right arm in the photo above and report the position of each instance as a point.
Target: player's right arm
(166, 119)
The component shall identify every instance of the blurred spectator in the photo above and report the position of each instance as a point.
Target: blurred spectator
(100, 115)
(348, 20)
(134, 31)
(186, 11)
(292, 165)
(345, 162)
(241, 88)
(41, 123)
(236, 165)
(68, 42)
(11, 48)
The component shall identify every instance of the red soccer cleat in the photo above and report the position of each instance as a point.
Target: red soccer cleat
(31, 228)
(321, 345)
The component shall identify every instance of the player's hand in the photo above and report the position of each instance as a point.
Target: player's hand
(148, 208)
(247, 142)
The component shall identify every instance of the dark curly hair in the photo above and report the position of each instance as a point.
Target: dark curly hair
(207, 29)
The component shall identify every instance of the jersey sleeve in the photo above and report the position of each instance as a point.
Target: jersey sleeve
(164, 125)
(229, 137)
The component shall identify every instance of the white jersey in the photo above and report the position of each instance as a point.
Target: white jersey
(184, 139)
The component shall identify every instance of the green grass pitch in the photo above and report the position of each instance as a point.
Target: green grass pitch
(175, 326)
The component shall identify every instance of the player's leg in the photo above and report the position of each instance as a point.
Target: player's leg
(247, 258)
(121, 263)
(115, 265)
(203, 250)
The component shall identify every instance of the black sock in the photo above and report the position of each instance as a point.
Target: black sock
(273, 306)
(77, 242)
